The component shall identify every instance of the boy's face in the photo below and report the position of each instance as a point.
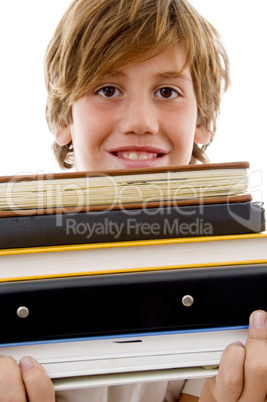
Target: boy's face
(141, 116)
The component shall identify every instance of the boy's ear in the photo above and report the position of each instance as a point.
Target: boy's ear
(63, 135)
(202, 135)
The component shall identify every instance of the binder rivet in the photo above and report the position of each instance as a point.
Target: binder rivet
(23, 312)
(187, 300)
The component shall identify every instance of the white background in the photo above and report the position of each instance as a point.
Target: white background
(25, 30)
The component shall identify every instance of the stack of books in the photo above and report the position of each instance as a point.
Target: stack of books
(126, 276)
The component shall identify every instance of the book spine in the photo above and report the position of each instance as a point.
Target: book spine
(131, 303)
(136, 224)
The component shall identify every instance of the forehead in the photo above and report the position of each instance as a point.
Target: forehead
(170, 63)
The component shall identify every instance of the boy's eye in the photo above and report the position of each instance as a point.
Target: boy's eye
(108, 92)
(167, 93)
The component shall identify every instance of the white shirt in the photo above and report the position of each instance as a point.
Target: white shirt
(160, 391)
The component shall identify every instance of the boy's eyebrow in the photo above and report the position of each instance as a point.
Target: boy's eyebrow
(175, 74)
(163, 74)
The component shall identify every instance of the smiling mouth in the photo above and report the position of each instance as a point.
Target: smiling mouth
(137, 155)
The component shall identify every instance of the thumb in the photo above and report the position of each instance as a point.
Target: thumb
(257, 326)
(38, 385)
(255, 377)
(227, 385)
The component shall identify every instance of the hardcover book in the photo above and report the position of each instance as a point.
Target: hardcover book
(133, 256)
(78, 363)
(132, 303)
(131, 224)
(76, 192)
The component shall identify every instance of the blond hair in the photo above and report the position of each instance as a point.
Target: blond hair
(95, 37)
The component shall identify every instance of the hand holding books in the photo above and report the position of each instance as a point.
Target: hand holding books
(239, 378)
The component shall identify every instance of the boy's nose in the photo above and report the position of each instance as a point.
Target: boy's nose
(139, 118)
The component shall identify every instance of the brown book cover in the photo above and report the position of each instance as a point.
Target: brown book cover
(65, 192)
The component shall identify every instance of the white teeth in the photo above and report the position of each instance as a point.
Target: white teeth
(133, 156)
(138, 156)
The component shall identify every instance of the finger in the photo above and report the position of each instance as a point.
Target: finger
(11, 384)
(228, 384)
(38, 385)
(257, 326)
(255, 385)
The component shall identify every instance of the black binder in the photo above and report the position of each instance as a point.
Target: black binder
(150, 302)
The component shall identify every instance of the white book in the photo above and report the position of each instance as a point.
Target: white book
(141, 357)
(130, 256)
